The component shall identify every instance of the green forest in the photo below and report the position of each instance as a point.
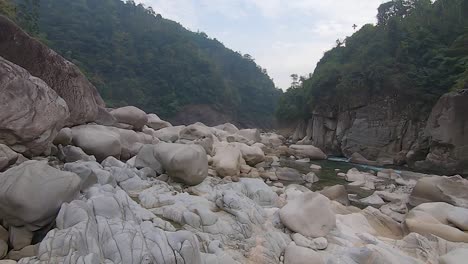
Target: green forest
(417, 51)
(136, 57)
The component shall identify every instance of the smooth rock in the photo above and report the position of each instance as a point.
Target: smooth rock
(301, 255)
(64, 137)
(7, 157)
(289, 174)
(3, 249)
(441, 219)
(250, 134)
(4, 234)
(97, 140)
(337, 193)
(65, 78)
(311, 177)
(169, 134)
(130, 115)
(20, 237)
(32, 193)
(187, 163)
(146, 158)
(308, 151)
(156, 123)
(309, 214)
(456, 256)
(32, 113)
(452, 190)
(72, 154)
(227, 159)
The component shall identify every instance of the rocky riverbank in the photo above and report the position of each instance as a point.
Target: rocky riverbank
(143, 191)
(383, 131)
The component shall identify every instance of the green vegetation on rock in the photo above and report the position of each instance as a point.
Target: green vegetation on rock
(136, 57)
(417, 51)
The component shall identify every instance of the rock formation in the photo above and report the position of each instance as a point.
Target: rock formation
(61, 75)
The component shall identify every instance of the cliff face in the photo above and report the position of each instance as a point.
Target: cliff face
(446, 135)
(389, 132)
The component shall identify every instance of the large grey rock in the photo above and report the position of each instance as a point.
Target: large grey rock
(61, 75)
(289, 175)
(108, 225)
(309, 214)
(359, 159)
(446, 129)
(440, 219)
(97, 140)
(3, 249)
(31, 112)
(156, 123)
(187, 163)
(308, 151)
(132, 141)
(452, 190)
(86, 172)
(32, 193)
(251, 154)
(20, 237)
(105, 118)
(228, 127)
(456, 256)
(169, 134)
(130, 115)
(146, 158)
(64, 137)
(227, 159)
(7, 156)
(198, 134)
(301, 255)
(252, 134)
(337, 193)
(72, 154)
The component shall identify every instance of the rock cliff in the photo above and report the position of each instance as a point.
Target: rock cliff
(61, 75)
(390, 132)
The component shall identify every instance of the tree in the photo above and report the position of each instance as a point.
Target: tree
(7, 9)
(354, 27)
(417, 53)
(295, 80)
(28, 15)
(136, 57)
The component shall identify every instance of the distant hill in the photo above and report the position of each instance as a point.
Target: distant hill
(136, 57)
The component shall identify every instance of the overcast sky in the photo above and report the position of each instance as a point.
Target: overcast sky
(283, 36)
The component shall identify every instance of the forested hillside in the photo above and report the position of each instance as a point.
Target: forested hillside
(136, 57)
(417, 51)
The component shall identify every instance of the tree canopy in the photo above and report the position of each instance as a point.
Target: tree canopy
(136, 57)
(417, 51)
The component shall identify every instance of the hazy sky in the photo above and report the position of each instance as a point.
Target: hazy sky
(284, 36)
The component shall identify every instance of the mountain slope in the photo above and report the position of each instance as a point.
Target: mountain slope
(134, 56)
(370, 99)
(416, 52)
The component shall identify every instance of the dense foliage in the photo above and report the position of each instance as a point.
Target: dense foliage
(417, 51)
(136, 57)
(7, 9)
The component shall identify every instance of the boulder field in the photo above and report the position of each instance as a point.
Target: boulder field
(109, 194)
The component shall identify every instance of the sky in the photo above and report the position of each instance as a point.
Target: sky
(283, 36)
